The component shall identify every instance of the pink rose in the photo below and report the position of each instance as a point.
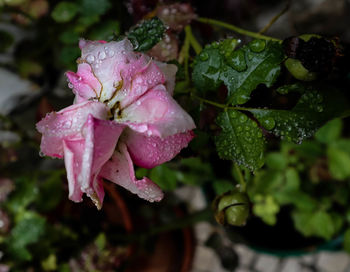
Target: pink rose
(123, 113)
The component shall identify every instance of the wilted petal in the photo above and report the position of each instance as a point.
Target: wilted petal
(120, 170)
(150, 151)
(84, 84)
(157, 113)
(67, 123)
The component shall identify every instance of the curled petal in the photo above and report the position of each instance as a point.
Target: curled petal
(85, 85)
(150, 151)
(84, 158)
(156, 113)
(66, 124)
(73, 150)
(120, 170)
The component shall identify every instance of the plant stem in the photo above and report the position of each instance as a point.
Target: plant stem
(241, 180)
(275, 18)
(236, 29)
(222, 106)
(184, 56)
(193, 41)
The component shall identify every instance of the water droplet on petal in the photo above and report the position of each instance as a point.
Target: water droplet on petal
(102, 55)
(90, 58)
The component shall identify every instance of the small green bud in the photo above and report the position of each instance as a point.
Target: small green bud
(297, 69)
(232, 208)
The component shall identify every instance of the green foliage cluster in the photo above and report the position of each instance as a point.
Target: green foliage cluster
(310, 180)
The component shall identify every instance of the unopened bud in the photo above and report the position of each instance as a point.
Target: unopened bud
(232, 208)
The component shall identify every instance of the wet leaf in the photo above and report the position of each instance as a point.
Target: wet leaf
(313, 109)
(241, 70)
(147, 34)
(330, 131)
(240, 139)
(317, 223)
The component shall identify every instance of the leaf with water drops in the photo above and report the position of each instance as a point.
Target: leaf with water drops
(147, 34)
(240, 139)
(240, 70)
(313, 109)
(210, 63)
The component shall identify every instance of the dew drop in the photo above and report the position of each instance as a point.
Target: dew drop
(237, 61)
(90, 58)
(242, 99)
(203, 56)
(243, 118)
(102, 55)
(257, 45)
(268, 123)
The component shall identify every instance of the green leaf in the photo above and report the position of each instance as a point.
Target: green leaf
(339, 162)
(313, 109)
(266, 208)
(241, 70)
(276, 161)
(222, 186)
(27, 231)
(147, 34)
(164, 177)
(330, 131)
(25, 194)
(92, 8)
(318, 224)
(64, 11)
(266, 181)
(347, 240)
(193, 171)
(240, 139)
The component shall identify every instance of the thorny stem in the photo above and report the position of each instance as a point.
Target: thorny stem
(241, 180)
(236, 29)
(275, 18)
(193, 41)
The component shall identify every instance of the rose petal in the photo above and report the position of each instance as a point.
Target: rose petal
(73, 163)
(67, 123)
(156, 113)
(139, 77)
(85, 85)
(107, 61)
(86, 156)
(149, 152)
(120, 170)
